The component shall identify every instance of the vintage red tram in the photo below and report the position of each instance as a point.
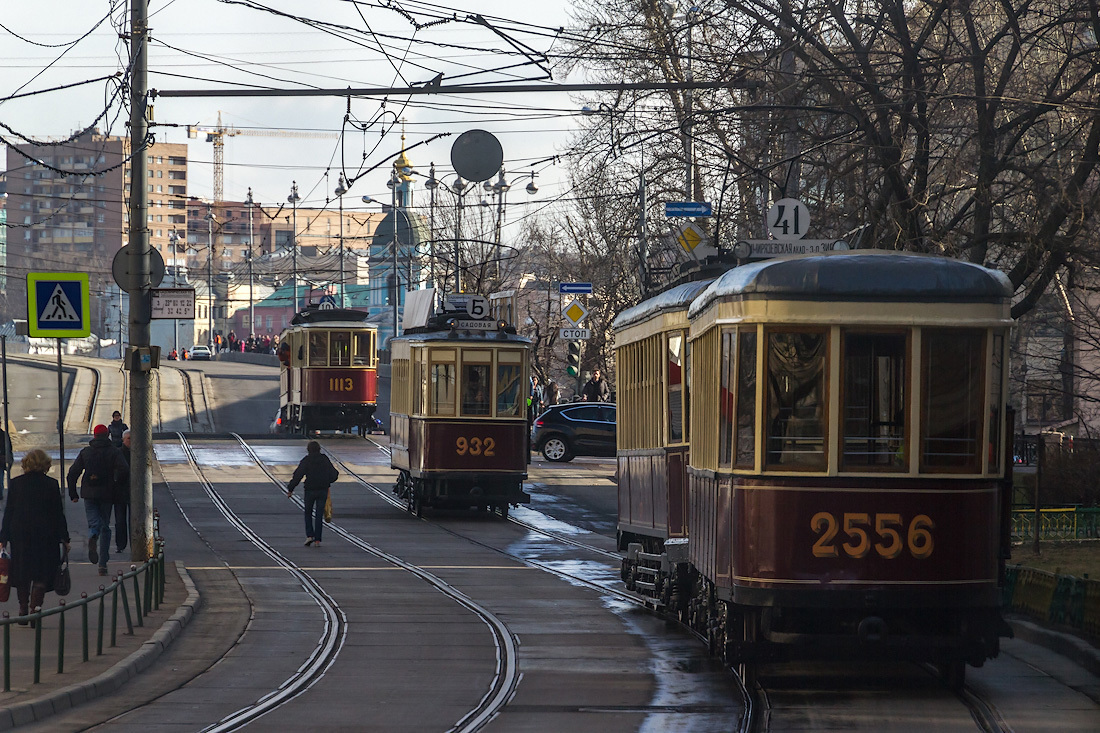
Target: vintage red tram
(458, 415)
(329, 377)
(846, 470)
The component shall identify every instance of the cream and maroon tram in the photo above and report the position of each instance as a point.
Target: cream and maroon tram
(458, 416)
(329, 377)
(846, 467)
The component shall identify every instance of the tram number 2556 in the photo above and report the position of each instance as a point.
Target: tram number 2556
(475, 446)
(341, 384)
(858, 526)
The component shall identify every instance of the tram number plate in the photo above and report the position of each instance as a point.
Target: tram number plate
(576, 334)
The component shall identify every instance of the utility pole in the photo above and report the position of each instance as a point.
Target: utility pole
(251, 280)
(141, 423)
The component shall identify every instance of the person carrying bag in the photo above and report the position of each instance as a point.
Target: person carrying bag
(319, 474)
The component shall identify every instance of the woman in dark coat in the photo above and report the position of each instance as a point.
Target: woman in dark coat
(34, 528)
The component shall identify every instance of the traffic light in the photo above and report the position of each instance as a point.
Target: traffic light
(573, 367)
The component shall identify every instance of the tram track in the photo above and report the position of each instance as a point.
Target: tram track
(506, 676)
(753, 700)
(334, 631)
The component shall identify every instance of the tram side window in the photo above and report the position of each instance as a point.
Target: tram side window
(796, 400)
(442, 386)
(873, 429)
(475, 389)
(363, 351)
(508, 402)
(725, 397)
(952, 399)
(675, 344)
(318, 348)
(339, 348)
(746, 399)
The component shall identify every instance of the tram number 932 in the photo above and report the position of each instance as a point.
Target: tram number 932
(858, 527)
(475, 446)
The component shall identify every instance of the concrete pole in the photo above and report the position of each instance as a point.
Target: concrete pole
(141, 423)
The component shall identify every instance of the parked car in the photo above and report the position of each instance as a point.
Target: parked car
(200, 353)
(575, 429)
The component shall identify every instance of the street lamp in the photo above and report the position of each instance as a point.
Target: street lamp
(173, 244)
(341, 189)
(392, 183)
(293, 200)
(459, 187)
(431, 184)
(210, 219)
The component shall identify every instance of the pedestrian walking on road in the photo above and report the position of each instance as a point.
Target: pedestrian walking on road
(116, 429)
(34, 529)
(319, 474)
(103, 467)
(122, 501)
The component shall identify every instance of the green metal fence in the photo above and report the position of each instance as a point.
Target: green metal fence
(1062, 523)
(1056, 600)
(145, 595)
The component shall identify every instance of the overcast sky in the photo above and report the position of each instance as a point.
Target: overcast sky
(207, 44)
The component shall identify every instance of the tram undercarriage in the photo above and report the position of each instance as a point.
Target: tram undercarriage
(745, 636)
(470, 491)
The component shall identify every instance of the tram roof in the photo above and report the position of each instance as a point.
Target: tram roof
(331, 316)
(863, 275)
(677, 298)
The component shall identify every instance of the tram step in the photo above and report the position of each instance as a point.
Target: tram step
(648, 571)
(644, 585)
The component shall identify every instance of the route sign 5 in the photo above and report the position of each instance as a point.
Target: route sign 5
(58, 305)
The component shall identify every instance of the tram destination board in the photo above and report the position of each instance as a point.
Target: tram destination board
(172, 303)
(472, 325)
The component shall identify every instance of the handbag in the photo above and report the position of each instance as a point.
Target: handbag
(328, 508)
(63, 583)
(5, 566)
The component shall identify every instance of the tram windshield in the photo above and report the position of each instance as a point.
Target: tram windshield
(364, 350)
(318, 348)
(475, 389)
(952, 399)
(873, 413)
(796, 400)
(339, 348)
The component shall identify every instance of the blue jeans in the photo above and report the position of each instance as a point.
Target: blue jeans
(99, 525)
(315, 513)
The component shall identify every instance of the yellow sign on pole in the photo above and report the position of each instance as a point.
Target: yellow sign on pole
(574, 311)
(690, 237)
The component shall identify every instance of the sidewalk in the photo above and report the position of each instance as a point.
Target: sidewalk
(101, 674)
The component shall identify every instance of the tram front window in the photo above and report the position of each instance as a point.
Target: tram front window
(339, 348)
(318, 348)
(363, 351)
(952, 399)
(442, 389)
(873, 429)
(475, 389)
(796, 400)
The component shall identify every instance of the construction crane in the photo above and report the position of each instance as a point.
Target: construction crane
(217, 136)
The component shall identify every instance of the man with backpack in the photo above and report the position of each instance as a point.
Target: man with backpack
(101, 468)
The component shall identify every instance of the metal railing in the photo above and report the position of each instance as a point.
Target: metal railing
(1063, 523)
(147, 581)
(1057, 600)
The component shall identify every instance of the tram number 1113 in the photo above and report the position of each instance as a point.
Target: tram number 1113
(341, 384)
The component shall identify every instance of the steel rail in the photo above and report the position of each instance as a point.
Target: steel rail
(752, 699)
(506, 677)
(333, 635)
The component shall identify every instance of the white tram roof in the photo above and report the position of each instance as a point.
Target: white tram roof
(862, 275)
(677, 298)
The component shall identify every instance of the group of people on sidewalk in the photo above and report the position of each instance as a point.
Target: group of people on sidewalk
(34, 531)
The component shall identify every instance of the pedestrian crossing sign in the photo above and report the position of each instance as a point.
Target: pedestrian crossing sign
(58, 305)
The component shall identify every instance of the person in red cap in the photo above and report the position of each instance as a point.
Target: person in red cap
(103, 467)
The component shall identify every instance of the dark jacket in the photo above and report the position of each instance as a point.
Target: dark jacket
(115, 431)
(122, 489)
(104, 468)
(8, 455)
(34, 523)
(317, 470)
(596, 391)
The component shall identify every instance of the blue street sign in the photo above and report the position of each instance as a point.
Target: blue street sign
(687, 208)
(575, 288)
(58, 305)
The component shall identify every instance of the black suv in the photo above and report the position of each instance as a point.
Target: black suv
(575, 429)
